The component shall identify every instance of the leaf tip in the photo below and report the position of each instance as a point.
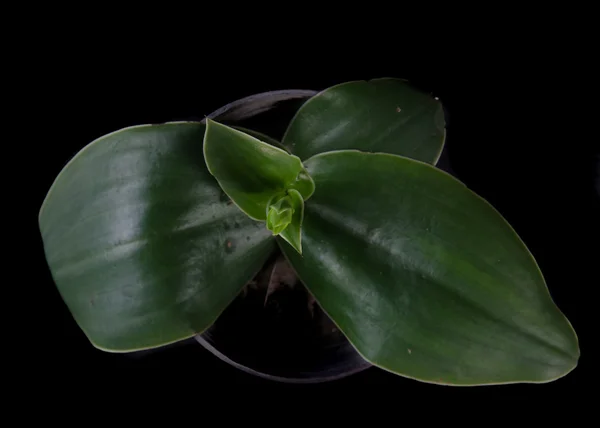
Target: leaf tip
(212, 124)
(209, 123)
(296, 245)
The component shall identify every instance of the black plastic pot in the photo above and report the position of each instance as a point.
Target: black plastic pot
(273, 329)
(277, 332)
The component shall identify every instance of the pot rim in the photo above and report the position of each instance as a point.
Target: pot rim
(307, 380)
(260, 103)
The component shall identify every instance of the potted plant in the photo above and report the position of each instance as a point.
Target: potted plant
(151, 232)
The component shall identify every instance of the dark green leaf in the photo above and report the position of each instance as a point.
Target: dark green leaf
(143, 245)
(424, 277)
(381, 115)
(250, 171)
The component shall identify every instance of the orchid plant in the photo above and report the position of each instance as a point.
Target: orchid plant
(151, 231)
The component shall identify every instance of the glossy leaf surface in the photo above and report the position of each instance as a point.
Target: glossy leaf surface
(424, 277)
(143, 245)
(380, 115)
(251, 171)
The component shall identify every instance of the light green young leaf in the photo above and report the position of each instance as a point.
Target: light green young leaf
(251, 171)
(279, 214)
(292, 234)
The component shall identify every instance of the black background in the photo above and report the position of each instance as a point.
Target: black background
(515, 136)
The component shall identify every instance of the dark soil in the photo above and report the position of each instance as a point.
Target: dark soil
(275, 326)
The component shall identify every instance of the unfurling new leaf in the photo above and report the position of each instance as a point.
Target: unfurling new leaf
(265, 182)
(292, 208)
(279, 215)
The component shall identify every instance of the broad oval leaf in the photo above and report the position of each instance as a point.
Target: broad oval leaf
(424, 277)
(251, 171)
(143, 245)
(381, 115)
